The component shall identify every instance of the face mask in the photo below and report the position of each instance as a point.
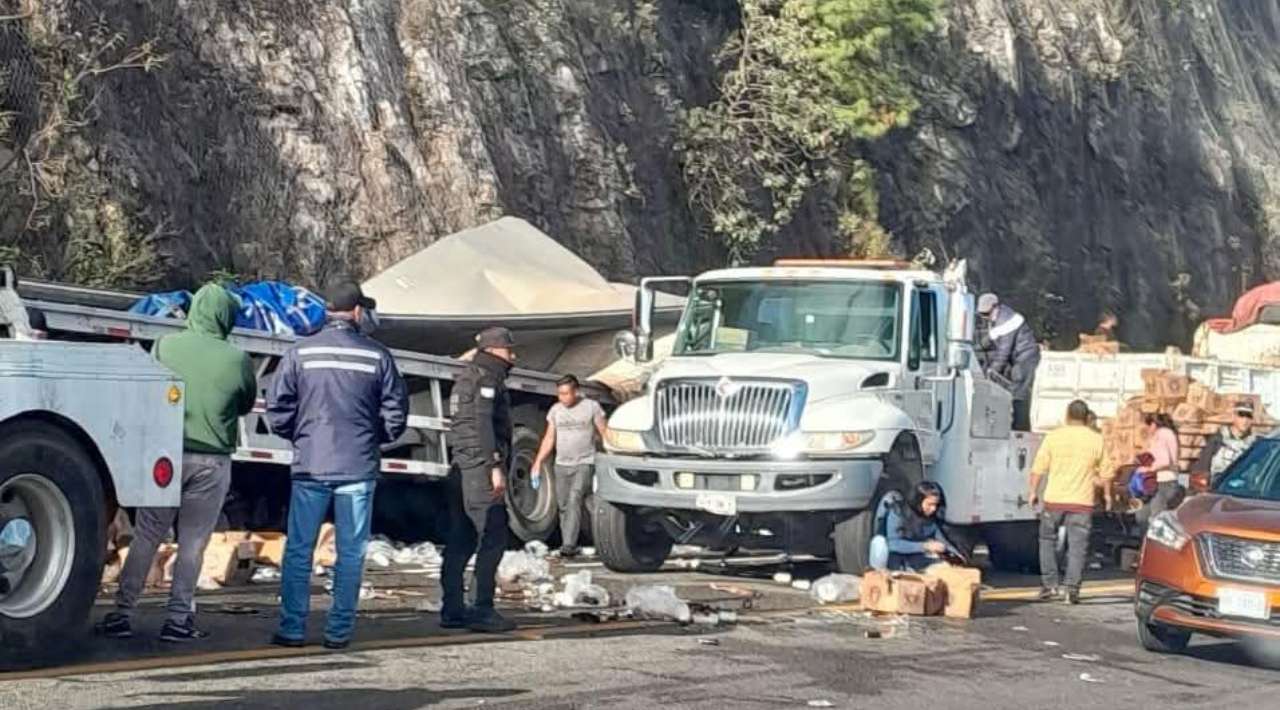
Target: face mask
(369, 321)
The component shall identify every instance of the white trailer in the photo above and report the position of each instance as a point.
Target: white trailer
(84, 428)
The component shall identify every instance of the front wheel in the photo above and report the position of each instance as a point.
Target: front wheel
(627, 541)
(851, 538)
(52, 540)
(1159, 638)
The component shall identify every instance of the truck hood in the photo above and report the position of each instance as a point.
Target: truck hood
(826, 377)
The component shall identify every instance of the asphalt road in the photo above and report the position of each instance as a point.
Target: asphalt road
(784, 653)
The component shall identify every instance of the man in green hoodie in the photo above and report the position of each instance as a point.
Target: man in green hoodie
(220, 388)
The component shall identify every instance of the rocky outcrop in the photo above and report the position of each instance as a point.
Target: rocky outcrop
(1082, 153)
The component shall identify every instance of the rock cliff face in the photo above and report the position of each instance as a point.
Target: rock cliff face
(1082, 153)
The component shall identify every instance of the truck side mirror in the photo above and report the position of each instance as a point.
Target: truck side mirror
(960, 310)
(642, 318)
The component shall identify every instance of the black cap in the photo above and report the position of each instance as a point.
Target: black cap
(495, 337)
(344, 295)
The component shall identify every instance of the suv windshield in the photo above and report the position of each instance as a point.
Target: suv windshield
(848, 319)
(1256, 474)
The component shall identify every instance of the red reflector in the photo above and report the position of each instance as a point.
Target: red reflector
(162, 472)
(119, 332)
(261, 454)
(394, 466)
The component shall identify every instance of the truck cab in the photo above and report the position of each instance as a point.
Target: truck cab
(797, 396)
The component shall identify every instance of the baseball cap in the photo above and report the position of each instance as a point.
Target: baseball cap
(344, 295)
(1244, 407)
(987, 303)
(495, 337)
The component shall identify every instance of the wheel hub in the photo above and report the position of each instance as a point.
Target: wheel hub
(37, 544)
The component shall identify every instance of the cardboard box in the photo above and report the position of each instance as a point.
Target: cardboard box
(270, 548)
(901, 593)
(327, 546)
(1201, 397)
(961, 585)
(229, 559)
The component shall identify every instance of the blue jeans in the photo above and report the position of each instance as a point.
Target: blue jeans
(882, 559)
(352, 512)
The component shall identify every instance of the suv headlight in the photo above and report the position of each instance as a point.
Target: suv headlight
(1166, 530)
(623, 441)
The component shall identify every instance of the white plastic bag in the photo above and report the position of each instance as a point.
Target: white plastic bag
(517, 567)
(580, 592)
(423, 555)
(537, 548)
(657, 602)
(379, 553)
(836, 588)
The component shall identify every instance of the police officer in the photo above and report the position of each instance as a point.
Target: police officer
(481, 411)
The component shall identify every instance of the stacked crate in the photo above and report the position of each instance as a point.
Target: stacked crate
(1197, 412)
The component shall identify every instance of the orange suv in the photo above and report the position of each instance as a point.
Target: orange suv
(1213, 565)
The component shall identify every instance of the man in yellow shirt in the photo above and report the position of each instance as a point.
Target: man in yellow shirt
(1071, 459)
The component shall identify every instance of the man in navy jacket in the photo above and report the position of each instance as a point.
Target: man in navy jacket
(338, 397)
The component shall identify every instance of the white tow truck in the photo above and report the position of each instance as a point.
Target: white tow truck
(84, 428)
(797, 396)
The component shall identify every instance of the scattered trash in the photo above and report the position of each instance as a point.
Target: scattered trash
(587, 552)
(705, 619)
(424, 554)
(1090, 679)
(802, 584)
(579, 592)
(367, 592)
(728, 616)
(547, 608)
(428, 606)
(1052, 644)
(1095, 565)
(782, 578)
(1082, 657)
(265, 575)
(821, 704)
(657, 602)
(1020, 628)
(518, 567)
(688, 564)
(537, 549)
(708, 642)
(836, 588)
(379, 553)
(872, 634)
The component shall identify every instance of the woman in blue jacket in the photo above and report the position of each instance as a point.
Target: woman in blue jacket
(910, 536)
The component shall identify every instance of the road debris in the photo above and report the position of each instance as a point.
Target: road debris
(265, 575)
(428, 606)
(1082, 657)
(1023, 629)
(658, 602)
(580, 592)
(836, 588)
(1090, 679)
(782, 578)
(537, 549)
(522, 567)
(708, 642)
(802, 584)
(1052, 644)
(821, 704)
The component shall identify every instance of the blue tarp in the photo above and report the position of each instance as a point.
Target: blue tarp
(272, 306)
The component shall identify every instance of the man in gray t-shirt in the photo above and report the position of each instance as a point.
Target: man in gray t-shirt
(572, 426)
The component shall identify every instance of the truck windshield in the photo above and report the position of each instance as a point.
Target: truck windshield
(847, 319)
(1256, 474)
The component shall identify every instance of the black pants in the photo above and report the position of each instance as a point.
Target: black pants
(1022, 415)
(477, 524)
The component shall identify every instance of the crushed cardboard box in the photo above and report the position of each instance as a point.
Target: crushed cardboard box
(902, 593)
(960, 586)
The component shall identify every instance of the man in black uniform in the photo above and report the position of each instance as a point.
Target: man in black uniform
(481, 411)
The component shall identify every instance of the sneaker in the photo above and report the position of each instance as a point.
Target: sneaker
(455, 620)
(1047, 594)
(116, 626)
(173, 632)
(336, 645)
(491, 622)
(1072, 596)
(286, 642)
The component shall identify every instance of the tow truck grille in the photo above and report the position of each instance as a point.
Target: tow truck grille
(727, 416)
(1239, 558)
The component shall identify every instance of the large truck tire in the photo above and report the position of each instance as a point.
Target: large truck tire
(1014, 547)
(851, 538)
(533, 513)
(626, 541)
(52, 504)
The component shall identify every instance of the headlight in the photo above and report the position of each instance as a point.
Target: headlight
(820, 443)
(621, 440)
(1166, 530)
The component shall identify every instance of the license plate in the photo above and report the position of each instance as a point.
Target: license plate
(1243, 603)
(717, 503)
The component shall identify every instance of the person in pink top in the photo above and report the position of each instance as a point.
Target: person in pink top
(1162, 445)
